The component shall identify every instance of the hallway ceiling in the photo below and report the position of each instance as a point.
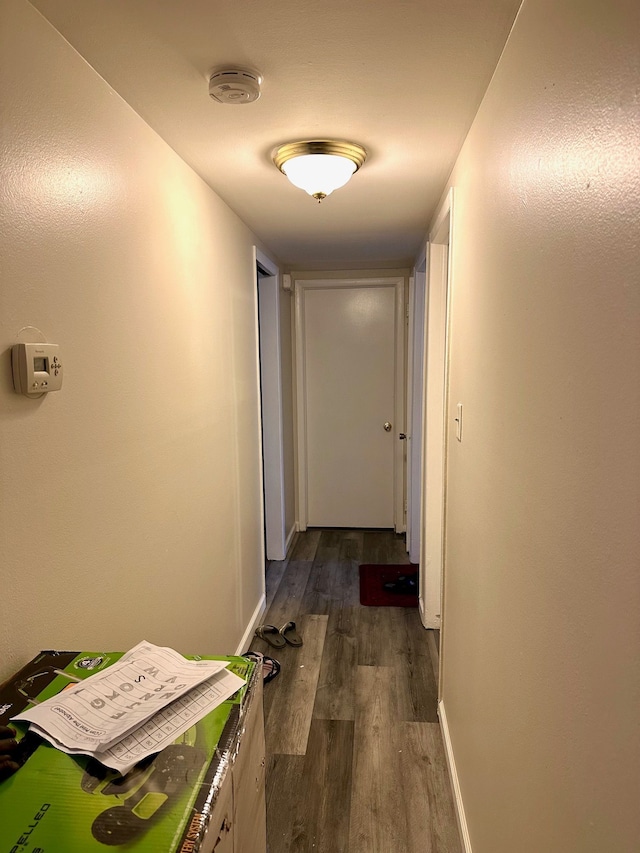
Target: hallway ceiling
(402, 78)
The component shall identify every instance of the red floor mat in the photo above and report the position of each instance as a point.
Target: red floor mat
(372, 580)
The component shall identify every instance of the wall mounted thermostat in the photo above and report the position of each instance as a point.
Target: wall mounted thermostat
(36, 369)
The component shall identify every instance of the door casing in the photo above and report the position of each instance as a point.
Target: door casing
(415, 404)
(433, 539)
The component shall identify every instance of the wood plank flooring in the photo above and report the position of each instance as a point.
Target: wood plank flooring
(355, 761)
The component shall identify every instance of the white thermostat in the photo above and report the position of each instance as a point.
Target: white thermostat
(36, 368)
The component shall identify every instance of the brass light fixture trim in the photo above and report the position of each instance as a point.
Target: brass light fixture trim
(351, 151)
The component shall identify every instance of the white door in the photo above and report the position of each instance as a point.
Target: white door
(350, 363)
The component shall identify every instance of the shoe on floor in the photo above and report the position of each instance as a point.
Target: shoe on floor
(290, 634)
(271, 635)
(404, 585)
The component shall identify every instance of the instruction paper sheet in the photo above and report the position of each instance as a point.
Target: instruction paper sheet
(134, 708)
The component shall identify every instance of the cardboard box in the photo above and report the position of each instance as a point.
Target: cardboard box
(57, 803)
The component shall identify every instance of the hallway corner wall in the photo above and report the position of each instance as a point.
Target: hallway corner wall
(130, 499)
(542, 591)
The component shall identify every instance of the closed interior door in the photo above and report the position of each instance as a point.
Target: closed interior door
(349, 376)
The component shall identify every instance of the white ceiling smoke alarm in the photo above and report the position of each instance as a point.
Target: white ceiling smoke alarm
(235, 85)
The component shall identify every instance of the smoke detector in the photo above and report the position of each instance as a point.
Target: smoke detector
(235, 85)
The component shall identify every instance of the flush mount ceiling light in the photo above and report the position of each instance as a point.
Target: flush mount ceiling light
(319, 166)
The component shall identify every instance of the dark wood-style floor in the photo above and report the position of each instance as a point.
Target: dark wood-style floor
(354, 750)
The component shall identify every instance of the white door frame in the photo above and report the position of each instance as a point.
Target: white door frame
(272, 444)
(301, 286)
(415, 404)
(432, 550)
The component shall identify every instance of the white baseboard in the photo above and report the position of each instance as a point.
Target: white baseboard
(258, 613)
(287, 544)
(434, 654)
(455, 783)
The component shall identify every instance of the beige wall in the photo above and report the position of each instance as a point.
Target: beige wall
(129, 500)
(542, 592)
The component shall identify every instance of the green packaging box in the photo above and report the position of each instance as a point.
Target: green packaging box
(58, 803)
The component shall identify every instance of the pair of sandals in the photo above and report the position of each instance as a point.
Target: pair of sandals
(279, 637)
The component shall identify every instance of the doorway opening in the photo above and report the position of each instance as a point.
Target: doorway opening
(432, 551)
(270, 375)
(350, 402)
(415, 404)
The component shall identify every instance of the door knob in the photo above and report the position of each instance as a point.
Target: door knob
(387, 426)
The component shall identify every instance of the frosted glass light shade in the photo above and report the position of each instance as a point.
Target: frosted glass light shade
(319, 173)
(319, 166)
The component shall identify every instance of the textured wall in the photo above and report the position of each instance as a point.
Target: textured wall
(542, 587)
(130, 499)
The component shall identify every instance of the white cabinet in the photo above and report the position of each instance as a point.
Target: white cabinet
(238, 821)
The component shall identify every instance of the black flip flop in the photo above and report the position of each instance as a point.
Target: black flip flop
(271, 635)
(270, 666)
(290, 635)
